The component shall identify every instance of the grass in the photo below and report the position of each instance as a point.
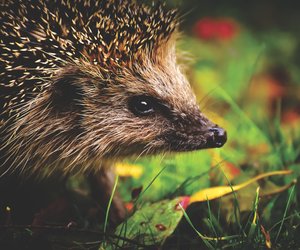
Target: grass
(109, 203)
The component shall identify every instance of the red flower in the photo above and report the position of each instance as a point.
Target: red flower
(205, 28)
(220, 29)
(226, 29)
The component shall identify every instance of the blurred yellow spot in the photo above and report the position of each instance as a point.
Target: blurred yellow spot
(129, 170)
(8, 209)
(207, 76)
(216, 118)
(216, 158)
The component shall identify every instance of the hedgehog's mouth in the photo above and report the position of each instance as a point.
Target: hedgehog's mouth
(214, 137)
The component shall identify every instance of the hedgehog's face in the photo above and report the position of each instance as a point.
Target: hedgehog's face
(171, 115)
(151, 112)
(176, 130)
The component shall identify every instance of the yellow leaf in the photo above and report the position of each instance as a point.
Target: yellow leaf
(128, 170)
(217, 192)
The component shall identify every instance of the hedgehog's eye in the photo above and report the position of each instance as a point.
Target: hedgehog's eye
(142, 105)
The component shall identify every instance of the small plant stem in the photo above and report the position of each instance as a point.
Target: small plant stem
(109, 203)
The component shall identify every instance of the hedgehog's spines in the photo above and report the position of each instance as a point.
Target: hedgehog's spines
(110, 34)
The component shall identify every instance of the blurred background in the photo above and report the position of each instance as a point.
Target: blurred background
(242, 59)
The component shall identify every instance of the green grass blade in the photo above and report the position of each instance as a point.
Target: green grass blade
(285, 212)
(148, 186)
(197, 232)
(253, 225)
(236, 205)
(109, 203)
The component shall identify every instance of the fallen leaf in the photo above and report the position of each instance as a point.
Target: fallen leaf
(277, 190)
(150, 225)
(217, 192)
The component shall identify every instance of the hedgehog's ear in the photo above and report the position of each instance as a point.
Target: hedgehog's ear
(66, 94)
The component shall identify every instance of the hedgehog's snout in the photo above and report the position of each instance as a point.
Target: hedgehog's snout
(217, 137)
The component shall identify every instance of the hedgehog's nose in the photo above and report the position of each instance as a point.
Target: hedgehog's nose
(218, 137)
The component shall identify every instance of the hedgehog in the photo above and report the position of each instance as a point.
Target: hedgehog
(84, 83)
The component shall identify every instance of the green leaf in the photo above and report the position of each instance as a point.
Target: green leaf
(149, 225)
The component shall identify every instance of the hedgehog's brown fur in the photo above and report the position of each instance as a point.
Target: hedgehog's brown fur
(67, 72)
